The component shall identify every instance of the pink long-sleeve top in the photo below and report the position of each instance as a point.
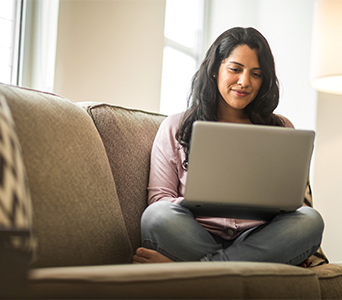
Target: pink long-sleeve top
(168, 179)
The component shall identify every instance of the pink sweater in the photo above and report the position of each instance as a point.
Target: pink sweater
(168, 179)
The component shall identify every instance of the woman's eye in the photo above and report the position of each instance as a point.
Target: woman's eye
(233, 70)
(257, 75)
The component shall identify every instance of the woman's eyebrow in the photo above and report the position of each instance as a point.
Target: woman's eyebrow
(237, 63)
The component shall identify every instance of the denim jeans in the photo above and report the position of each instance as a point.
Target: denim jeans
(289, 238)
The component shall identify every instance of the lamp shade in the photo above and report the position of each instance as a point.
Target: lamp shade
(326, 56)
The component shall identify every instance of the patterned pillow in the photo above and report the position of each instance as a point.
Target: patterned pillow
(319, 257)
(15, 202)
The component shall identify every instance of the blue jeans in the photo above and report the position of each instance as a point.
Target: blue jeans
(289, 238)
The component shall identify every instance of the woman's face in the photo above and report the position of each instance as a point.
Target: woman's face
(239, 79)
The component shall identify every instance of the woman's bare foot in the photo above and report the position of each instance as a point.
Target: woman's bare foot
(305, 263)
(148, 256)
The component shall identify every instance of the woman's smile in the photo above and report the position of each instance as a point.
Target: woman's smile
(240, 93)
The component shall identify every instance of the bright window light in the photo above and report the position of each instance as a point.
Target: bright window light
(184, 35)
(40, 41)
(178, 69)
(183, 21)
(7, 40)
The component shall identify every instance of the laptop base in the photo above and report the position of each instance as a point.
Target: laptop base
(230, 211)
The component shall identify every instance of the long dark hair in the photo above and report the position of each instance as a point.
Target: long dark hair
(203, 96)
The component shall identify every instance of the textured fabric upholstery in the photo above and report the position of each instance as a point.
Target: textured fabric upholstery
(330, 279)
(192, 280)
(70, 181)
(127, 135)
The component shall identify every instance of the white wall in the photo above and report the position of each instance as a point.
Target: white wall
(328, 166)
(110, 51)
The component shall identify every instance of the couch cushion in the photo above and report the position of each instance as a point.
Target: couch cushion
(127, 135)
(77, 217)
(191, 280)
(330, 280)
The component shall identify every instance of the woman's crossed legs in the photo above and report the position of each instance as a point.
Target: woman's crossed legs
(170, 232)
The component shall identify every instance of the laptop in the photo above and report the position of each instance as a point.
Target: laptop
(247, 171)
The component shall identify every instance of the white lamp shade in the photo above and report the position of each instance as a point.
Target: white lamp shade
(326, 58)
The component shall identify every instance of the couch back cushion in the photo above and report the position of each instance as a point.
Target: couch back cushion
(76, 213)
(128, 136)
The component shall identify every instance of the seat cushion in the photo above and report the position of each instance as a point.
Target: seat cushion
(76, 213)
(127, 135)
(191, 280)
(330, 280)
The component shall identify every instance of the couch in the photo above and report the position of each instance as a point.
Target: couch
(87, 168)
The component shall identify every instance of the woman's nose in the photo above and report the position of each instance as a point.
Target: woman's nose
(244, 79)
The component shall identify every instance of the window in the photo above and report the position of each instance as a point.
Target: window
(28, 37)
(183, 51)
(10, 15)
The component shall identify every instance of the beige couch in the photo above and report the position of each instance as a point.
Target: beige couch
(87, 166)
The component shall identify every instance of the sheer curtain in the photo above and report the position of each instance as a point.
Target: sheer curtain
(39, 44)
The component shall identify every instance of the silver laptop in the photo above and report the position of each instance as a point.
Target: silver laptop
(247, 171)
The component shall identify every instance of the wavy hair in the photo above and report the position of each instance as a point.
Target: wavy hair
(203, 97)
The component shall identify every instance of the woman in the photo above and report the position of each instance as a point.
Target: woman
(235, 83)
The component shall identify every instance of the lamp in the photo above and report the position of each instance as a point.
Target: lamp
(326, 58)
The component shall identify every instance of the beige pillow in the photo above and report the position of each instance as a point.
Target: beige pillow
(77, 216)
(128, 135)
(319, 257)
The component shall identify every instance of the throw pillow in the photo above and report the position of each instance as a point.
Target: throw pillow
(16, 240)
(319, 257)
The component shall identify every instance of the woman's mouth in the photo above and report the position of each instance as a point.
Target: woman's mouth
(240, 93)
